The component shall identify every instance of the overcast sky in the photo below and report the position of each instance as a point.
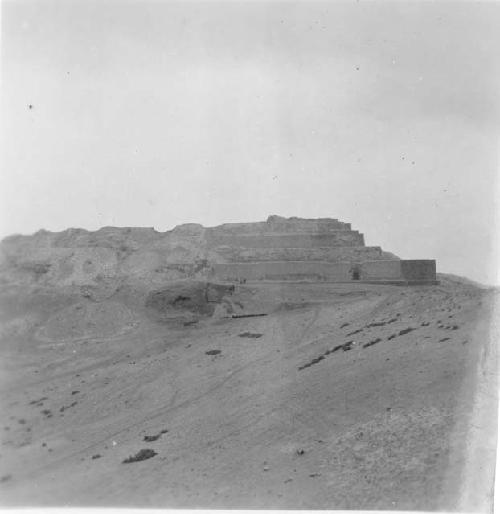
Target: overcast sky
(384, 115)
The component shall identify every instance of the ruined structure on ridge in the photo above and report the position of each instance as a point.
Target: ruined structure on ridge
(307, 249)
(100, 262)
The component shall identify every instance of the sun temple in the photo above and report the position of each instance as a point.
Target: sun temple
(321, 249)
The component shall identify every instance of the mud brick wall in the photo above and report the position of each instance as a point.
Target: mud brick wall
(339, 238)
(328, 254)
(278, 225)
(423, 269)
(381, 270)
(407, 270)
(283, 270)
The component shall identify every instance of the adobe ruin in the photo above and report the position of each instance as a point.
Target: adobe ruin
(322, 249)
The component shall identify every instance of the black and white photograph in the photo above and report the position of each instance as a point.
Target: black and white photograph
(249, 255)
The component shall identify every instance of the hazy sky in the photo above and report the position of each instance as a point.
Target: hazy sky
(152, 113)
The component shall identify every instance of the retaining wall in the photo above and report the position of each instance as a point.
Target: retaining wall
(418, 269)
(328, 254)
(339, 238)
(413, 271)
(378, 270)
(283, 270)
(276, 224)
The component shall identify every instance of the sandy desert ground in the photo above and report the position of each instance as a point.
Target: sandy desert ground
(344, 396)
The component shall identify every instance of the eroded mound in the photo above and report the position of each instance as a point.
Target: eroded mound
(87, 320)
(104, 260)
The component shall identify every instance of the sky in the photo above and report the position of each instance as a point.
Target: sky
(153, 113)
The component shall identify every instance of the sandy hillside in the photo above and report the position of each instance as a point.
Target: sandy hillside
(341, 396)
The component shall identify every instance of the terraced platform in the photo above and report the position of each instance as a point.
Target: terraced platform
(307, 249)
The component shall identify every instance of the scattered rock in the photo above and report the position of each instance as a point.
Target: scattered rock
(334, 349)
(248, 315)
(63, 408)
(311, 363)
(371, 343)
(38, 402)
(401, 333)
(348, 346)
(378, 323)
(345, 347)
(151, 438)
(144, 454)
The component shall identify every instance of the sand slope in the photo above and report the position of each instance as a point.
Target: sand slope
(343, 396)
